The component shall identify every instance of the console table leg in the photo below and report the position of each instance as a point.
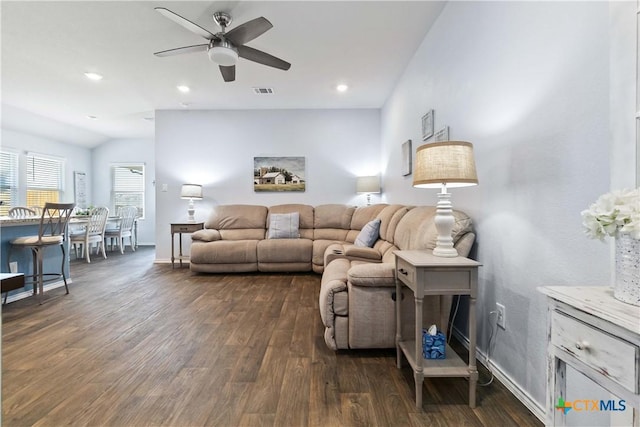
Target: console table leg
(473, 369)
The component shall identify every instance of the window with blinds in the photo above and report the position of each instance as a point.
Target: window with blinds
(127, 188)
(44, 179)
(8, 181)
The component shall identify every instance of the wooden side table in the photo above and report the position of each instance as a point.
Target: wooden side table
(426, 274)
(179, 228)
(598, 336)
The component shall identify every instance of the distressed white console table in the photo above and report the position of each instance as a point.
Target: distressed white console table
(598, 336)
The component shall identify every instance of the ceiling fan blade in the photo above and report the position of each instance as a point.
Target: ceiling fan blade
(261, 57)
(194, 28)
(181, 50)
(249, 30)
(228, 73)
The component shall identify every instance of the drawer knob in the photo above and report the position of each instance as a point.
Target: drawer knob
(582, 345)
(403, 271)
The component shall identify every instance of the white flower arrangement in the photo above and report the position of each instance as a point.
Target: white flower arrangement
(615, 212)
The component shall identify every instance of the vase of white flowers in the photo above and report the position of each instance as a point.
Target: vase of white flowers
(617, 214)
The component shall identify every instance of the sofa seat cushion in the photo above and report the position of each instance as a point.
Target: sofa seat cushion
(365, 274)
(224, 252)
(285, 250)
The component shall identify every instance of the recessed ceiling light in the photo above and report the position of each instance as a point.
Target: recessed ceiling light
(92, 117)
(93, 76)
(342, 88)
(183, 88)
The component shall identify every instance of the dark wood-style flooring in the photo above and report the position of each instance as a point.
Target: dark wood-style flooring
(141, 344)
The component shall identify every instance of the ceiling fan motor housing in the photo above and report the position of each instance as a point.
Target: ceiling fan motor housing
(223, 53)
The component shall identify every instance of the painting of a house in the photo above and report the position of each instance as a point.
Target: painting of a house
(278, 174)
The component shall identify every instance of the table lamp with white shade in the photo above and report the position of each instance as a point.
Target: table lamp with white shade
(368, 185)
(441, 165)
(191, 192)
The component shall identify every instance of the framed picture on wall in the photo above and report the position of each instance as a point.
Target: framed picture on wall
(442, 134)
(406, 158)
(279, 174)
(427, 125)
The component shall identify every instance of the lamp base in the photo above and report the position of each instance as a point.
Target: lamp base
(444, 221)
(191, 211)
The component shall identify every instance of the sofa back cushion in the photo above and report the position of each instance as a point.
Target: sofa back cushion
(332, 222)
(305, 215)
(238, 222)
(417, 229)
(389, 217)
(230, 217)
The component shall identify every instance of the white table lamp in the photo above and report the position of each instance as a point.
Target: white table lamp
(368, 185)
(191, 192)
(441, 165)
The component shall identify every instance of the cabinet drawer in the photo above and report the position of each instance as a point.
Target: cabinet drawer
(405, 272)
(186, 228)
(609, 355)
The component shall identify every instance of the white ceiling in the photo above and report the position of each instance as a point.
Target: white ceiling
(47, 46)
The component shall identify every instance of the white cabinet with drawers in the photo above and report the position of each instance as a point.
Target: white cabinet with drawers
(598, 336)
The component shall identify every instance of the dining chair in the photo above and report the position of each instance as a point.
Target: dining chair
(51, 233)
(124, 229)
(93, 232)
(21, 212)
(37, 209)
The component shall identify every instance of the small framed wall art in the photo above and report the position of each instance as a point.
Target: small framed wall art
(406, 158)
(427, 125)
(442, 134)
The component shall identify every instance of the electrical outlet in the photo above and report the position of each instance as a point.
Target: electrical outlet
(13, 267)
(502, 315)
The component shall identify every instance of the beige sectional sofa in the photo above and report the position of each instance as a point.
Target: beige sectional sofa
(358, 288)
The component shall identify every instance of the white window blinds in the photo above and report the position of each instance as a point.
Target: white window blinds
(8, 181)
(44, 179)
(128, 187)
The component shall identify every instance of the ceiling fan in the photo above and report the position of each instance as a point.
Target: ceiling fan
(224, 48)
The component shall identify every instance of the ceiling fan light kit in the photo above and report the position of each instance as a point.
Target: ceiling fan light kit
(223, 55)
(225, 48)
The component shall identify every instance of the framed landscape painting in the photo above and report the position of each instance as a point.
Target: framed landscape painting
(279, 174)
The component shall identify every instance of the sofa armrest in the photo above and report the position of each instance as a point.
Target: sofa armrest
(206, 235)
(372, 274)
(352, 253)
(362, 253)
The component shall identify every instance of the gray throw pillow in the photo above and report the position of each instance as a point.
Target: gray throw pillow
(369, 234)
(284, 226)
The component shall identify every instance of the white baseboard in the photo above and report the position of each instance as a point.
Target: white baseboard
(27, 294)
(520, 394)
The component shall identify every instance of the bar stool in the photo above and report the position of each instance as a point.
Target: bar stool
(52, 231)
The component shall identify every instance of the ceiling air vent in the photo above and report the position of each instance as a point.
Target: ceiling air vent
(263, 91)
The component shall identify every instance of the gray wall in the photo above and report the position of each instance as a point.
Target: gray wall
(527, 83)
(78, 159)
(127, 151)
(216, 149)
